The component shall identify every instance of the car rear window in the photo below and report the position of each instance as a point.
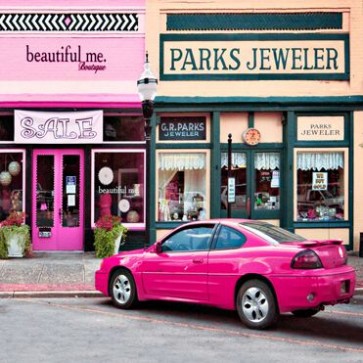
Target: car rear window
(271, 232)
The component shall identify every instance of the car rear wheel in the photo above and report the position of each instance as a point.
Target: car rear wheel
(123, 289)
(307, 313)
(256, 305)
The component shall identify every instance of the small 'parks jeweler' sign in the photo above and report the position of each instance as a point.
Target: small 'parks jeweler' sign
(182, 128)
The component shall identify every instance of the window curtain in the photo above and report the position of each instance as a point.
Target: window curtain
(238, 160)
(195, 183)
(320, 160)
(182, 161)
(267, 161)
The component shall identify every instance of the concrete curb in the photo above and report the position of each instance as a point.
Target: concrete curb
(49, 294)
(75, 294)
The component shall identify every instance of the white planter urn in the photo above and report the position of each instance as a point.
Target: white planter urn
(15, 244)
(117, 243)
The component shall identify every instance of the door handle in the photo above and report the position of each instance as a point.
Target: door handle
(198, 260)
(60, 213)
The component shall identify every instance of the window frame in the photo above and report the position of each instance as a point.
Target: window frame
(207, 179)
(129, 226)
(345, 151)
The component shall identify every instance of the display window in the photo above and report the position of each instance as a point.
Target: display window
(12, 182)
(118, 185)
(257, 179)
(182, 186)
(321, 185)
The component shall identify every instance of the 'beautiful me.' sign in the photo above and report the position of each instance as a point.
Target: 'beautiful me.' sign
(33, 127)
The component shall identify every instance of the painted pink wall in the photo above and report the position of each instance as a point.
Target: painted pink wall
(27, 82)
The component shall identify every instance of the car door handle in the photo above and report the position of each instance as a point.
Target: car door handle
(198, 260)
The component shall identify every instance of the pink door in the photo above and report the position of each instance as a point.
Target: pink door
(57, 200)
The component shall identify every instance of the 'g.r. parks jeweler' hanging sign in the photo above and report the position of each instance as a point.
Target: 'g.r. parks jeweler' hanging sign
(32, 127)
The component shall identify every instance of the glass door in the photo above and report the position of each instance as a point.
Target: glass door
(257, 184)
(57, 203)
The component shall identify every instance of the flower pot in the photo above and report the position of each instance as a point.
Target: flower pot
(117, 243)
(16, 243)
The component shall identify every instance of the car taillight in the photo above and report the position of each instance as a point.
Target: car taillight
(306, 260)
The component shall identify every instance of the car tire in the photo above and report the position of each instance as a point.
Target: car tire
(123, 289)
(306, 313)
(256, 305)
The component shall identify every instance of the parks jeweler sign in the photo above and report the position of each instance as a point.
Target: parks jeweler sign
(254, 56)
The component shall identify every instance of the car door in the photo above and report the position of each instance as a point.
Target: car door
(224, 261)
(179, 271)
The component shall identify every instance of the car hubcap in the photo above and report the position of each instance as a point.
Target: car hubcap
(122, 289)
(254, 304)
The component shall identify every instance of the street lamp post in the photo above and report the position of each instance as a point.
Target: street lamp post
(146, 87)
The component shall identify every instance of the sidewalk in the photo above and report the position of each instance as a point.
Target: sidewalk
(72, 274)
(49, 274)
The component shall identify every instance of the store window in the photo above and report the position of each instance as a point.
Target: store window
(6, 127)
(264, 168)
(182, 186)
(12, 182)
(321, 183)
(118, 185)
(119, 128)
(267, 181)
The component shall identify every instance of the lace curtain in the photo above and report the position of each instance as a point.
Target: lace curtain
(320, 160)
(182, 161)
(267, 161)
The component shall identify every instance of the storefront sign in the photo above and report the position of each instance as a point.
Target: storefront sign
(70, 59)
(323, 128)
(32, 127)
(250, 56)
(182, 128)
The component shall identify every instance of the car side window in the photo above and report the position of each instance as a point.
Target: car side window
(190, 239)
(229, 238)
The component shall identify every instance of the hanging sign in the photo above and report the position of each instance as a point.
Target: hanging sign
(320, 181)
(231, 190)
(32, 127)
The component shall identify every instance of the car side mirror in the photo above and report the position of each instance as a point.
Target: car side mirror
(158, 248)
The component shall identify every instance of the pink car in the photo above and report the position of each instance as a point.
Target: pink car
(254, 267)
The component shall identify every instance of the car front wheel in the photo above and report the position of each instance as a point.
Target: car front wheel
(123, 289)
(256, 305)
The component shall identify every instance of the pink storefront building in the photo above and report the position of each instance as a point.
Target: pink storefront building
(71, 127)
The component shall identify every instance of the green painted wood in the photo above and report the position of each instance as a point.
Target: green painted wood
(259, 21)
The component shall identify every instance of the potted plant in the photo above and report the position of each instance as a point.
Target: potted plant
(14, 236)
(109, 233)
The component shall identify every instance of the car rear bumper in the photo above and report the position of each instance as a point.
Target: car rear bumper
(309, 291)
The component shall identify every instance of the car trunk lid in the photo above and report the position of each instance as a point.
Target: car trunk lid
(331, 252)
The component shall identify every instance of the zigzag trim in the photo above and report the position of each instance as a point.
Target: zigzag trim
(72, 22)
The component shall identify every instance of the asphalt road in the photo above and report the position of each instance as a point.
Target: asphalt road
(91, 330)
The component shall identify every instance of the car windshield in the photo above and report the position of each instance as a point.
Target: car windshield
(272, 233)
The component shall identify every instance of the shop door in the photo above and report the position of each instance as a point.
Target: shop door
(257, 184)
(57, 200)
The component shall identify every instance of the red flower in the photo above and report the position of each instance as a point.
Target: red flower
(14, 219)
(107, 222)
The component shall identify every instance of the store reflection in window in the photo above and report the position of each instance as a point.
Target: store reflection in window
(11, 183)
(182, 186)
(267, 178)
(119, 185)
(320, 186)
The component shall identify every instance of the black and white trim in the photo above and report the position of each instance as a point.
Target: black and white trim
(72, 22)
